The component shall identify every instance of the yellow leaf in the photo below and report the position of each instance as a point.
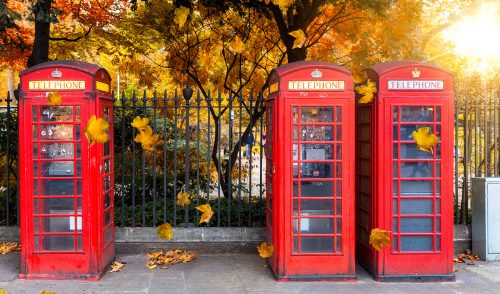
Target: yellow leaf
(116, 267)
(265, 250)
(54, 98)
(300, 38)
(367, 91)
(7, 247)
(165, 231)
(379, 238)
(424, 139)
(207, 213)
(236, 46)
(46, 292)
(181, 15)
(140, 123)
(147, 139)
(256, 149)
(283, 4)
(183, 198)
(2, 291)
(96, 130)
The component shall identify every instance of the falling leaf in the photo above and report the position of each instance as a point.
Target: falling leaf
(300, 38)
(367, 91)
(181, 15)
(207, 213)
(183, 198)
(140, 123)
(424, 139)
(256, 149)
(6, 247)
(265, 250)
(2, 291)
(96, 130)
(116, 266)
(163, 259)
(54, 98)
(165, 231)
(283, 4)
(379, 238)
(236, 46)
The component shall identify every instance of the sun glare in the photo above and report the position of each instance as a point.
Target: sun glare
(477, 37)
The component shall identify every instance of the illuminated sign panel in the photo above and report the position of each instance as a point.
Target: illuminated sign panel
(56, 85)
(316, 85)
(415, 85)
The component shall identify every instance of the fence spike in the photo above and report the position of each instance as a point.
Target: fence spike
(144, 98)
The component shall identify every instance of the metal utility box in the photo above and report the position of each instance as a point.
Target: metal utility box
(399, 187)
(66, 183)
(310, 176)
(486, 218)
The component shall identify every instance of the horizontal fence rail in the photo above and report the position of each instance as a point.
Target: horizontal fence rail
(211, 147)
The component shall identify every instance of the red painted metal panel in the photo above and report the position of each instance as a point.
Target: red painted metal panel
(312, 125)
(411, 190)
(61, 190)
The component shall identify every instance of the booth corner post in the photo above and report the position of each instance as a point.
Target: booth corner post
(402, 188)
(66, 183)
(310, 172)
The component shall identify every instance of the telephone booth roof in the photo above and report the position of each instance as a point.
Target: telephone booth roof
(85, 67)
(289, 68)
(387, 67)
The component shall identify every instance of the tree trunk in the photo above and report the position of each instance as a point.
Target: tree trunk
(40, 51)
(297, 54)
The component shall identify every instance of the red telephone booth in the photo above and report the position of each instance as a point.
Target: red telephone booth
(400, 188)
(310, 176)
(66, 184)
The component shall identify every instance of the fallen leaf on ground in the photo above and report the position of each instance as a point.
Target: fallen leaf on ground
(7, 247)
(206, 209)
(424, 139)
(367, 91)
(116, 266)
(163, 259)
(300, 38)
(265, 250)
(54, 98)
(165, 231)
(96, 130)
(183, 198)
(379, 238)
(467, 255)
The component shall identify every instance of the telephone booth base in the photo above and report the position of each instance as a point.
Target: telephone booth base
(312, 278)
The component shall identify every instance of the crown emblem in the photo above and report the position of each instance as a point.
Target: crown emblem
(316, 74)
(56, 74)
(415, 73)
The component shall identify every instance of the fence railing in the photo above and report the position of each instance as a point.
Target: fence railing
(206, 150)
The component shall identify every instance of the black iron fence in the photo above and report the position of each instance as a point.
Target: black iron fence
(212, 147)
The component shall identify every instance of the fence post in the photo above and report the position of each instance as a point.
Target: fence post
(7, 142)
(187, 93)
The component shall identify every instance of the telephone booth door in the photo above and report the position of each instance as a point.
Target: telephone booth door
(312, 213)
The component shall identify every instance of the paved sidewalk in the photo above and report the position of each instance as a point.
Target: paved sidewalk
(238, 273)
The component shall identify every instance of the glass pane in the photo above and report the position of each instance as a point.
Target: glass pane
(416, 188)
(417, 206)
(58, 169)
(35, 169)
(339, 151)
(416, 243)
(316, 133)
(395, 113)
(107, 218)
(78, 187)
(316, 114)
(438, 206)
(406, 131)
(295, 244)
(339, 244)
(107, 182)
(338, 114)
(338, 229)
(410, 151)
(57, 150)
(78, 150)
(295, 133)
(77, 113)
(438, 243)
(57, 187)
(438, 225)
(79, 242)
(338, 170)
(61, 224)
(338, 189)
(35, 187)
(34, 113)
(295, 114)
(56, 132)
(339, 207)
(106, 148)
(314, 225)
(316, 244)
(34, 132)
(316, 170)
(395, 243)
(395, 225)
(58, 243)
(314, 207)
(416, 169)
(77, 132)
(106, 200)
(35, 151)
(416, 225)
(108, 235)
(339, 133)
(316, 151)
(78, 168)
(57, 113)
(316, 188)
(57, 205)
(417, 114)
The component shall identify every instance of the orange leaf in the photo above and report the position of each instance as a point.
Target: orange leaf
(424, 139)
(207, 213)
(165, 231)
(140, 123)
(300, 38)
(96, 130)
(54, 98)
(379, 238)
(116, 267)
(367, 92)
(183, 198)
(265, 250)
